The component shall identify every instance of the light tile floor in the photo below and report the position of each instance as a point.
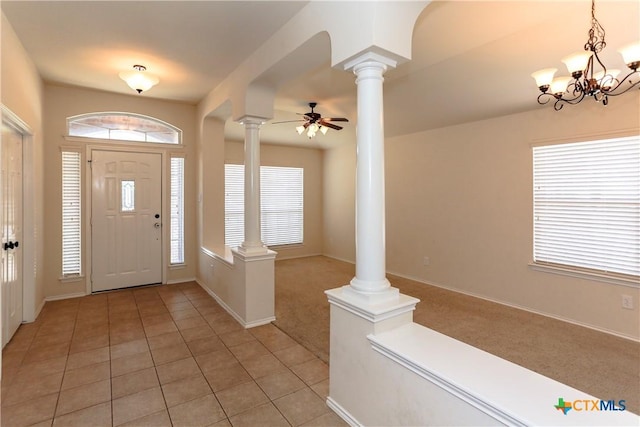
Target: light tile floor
(158, 356)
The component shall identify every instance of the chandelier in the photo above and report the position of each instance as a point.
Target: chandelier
(139, 80)
(589, 76)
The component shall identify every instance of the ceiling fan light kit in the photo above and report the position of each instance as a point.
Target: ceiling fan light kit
(139, 80)
(314, 122)
(585, 80)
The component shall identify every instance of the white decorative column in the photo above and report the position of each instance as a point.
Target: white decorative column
(368, 305)
(252, 243)
(370, 281)
(250, 297)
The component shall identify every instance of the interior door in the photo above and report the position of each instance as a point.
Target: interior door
(126, 226)
(11, 229)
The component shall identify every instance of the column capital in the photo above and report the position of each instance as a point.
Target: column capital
(368, 59)
(252, 120)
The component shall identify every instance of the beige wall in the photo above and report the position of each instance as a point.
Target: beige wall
(62, 102)
(339, 179)
(211, 185)
(311, 160)
(462, 196)
(22, 93)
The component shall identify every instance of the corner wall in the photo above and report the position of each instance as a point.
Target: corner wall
(462, 196)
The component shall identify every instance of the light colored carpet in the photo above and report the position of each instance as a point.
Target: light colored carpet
(600, 364)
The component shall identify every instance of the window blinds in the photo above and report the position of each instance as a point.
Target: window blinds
(281, 205)
(177, 210)
(71, 214)
(587, 205)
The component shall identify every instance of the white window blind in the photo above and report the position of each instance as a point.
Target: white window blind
(177, 210)
(71, 214)
(281, 205)
(233, 205)
(587, 205)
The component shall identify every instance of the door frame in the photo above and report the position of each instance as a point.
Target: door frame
(29, 309)
(87, 203)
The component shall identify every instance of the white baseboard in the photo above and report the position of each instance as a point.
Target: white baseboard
(65, 296)
(342, 413)
(219, 300)
(175, 281)
(519, 307)
(236, 316)
(37, 313)
(281, 257)
(260, 322)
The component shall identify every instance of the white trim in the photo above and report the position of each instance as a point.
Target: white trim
(38, 310)
(249, 257)
(345, 299)
(12, 119)
(236, 316)
(29, 255)
(260, 322)
(583, 274)
(282, 258)
(342, 413)
(226, 259)
(178, 266)
(65, 296)
(71, 279)
(441, 381)
(176, 281)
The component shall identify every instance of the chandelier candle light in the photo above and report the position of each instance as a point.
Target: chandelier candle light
(586, 79)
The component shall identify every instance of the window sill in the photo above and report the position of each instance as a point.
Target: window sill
(582, 274)
(71, 279)
(177, 266)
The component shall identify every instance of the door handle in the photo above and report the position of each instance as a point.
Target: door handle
(10, 245)
(156, 225)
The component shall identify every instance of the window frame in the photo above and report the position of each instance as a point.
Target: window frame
(568, 269)
(159, 122)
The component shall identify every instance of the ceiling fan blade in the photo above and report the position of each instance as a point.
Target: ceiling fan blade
(336, 119)
(286, 121)
(329, 125)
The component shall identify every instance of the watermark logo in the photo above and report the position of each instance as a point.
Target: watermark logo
(563, 406)
(589, 405)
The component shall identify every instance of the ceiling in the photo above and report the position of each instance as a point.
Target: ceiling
(472, 60)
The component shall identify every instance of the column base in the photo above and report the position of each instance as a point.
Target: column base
(252, 250)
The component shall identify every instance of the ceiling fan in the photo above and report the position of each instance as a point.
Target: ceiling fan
(314, 122)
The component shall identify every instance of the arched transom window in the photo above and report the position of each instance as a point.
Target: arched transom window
(124, 127)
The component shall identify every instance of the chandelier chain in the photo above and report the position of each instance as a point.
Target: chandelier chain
(596, 41)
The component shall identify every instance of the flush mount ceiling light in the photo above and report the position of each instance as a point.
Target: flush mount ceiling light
(139, 80)
(589, 76)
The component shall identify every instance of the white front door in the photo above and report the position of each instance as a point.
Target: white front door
(126, 223)
(11, 224)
